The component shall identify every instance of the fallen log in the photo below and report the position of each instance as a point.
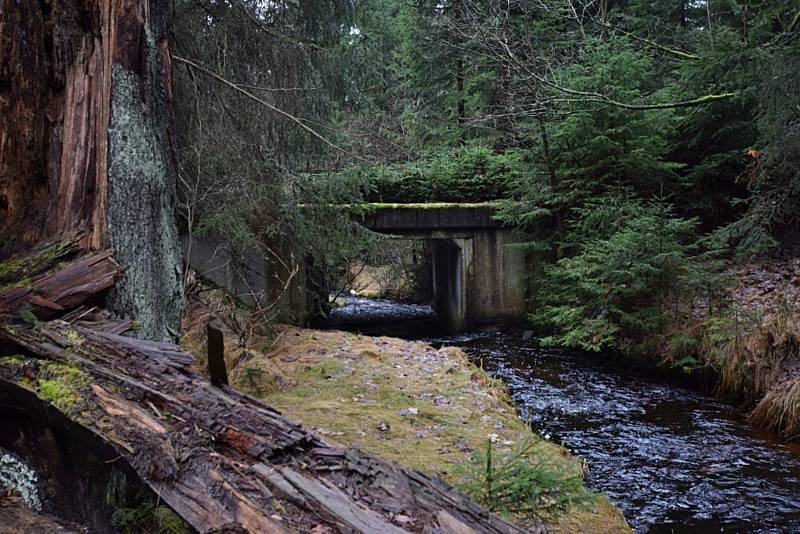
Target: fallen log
(223, 461)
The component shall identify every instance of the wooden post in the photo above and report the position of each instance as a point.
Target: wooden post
(216, 353)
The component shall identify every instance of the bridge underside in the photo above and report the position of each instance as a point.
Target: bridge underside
(477, 276)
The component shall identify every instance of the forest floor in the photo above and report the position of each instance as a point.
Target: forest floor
(403, 401)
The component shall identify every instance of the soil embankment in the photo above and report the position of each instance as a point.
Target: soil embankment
(757, 346)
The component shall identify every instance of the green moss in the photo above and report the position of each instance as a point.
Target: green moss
(62, 385)
(74, 339)
(16, 272)
(28, 316)
(369, 208)
(58, 394)
(15, 360)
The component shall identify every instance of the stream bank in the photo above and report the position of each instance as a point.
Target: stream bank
(404, 401)
(673, 459)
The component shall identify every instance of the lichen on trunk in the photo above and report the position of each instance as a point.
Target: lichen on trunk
(141, 219)
(85, 143)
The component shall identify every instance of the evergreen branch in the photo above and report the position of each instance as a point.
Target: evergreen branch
(677, 53)
(598, 97)
(237, 87)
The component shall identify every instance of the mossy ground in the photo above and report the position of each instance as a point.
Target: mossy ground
(403, 401)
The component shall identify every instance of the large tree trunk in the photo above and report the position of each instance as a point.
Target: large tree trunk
(85, 142)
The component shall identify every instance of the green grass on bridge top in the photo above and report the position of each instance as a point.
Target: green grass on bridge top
(377, 206)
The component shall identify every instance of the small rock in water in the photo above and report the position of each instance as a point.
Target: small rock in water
(527, 335)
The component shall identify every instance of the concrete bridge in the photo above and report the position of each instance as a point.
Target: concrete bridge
(477, 277)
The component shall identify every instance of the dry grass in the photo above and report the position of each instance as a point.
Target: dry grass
(759, 361)
(779, 410)
(380, 281)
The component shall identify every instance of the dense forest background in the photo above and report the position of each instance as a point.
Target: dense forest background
(638, 146)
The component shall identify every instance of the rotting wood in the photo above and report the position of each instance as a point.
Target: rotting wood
(223, 461)
(87, 144)
(53, 289)
(215, 352)
(228, 459)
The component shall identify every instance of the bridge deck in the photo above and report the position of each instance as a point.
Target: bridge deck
(403, 218)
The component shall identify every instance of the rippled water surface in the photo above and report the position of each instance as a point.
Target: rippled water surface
(673, 460)
(379, 317)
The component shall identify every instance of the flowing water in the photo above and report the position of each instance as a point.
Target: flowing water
(672, 459)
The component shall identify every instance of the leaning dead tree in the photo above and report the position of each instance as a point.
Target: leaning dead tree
(222, 461)
(86, 142)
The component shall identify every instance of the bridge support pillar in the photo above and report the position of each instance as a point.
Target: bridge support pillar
(451, 263)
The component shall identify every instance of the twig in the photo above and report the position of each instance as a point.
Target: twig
(288, 115)
(677, 53)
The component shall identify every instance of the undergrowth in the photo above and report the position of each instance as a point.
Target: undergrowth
(757, 359)
(524, 483)
(149, 518)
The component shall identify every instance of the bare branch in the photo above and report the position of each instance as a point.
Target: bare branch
(677, 53)
(237, 87)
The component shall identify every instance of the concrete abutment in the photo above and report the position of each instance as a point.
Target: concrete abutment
(478, 274)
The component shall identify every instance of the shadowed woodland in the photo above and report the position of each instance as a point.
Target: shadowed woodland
(184, 187)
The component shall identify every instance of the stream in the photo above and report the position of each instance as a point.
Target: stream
(672, 459)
